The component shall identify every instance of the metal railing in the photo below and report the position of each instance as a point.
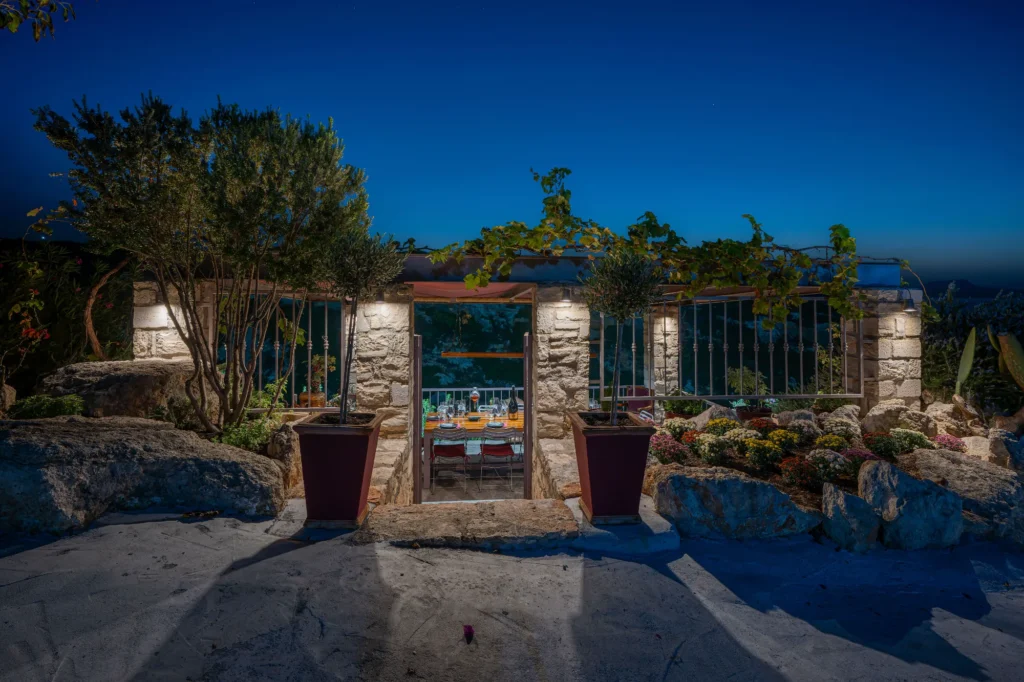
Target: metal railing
(488, 396)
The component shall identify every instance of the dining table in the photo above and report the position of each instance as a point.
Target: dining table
(472, 427)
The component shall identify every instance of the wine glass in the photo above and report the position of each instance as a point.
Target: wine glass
(460, 408)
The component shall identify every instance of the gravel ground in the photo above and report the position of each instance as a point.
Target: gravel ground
(153, 598)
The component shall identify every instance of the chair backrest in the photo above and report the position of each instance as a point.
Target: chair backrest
(502, 435)
(458, 434)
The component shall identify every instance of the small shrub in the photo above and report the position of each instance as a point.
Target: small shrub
(677, 427)
(712, 449)
(762, 453)
(830, 441)
(763, 425)
(882, 444)
(787, 440)
(948, 442)
(829, 463)
(689, 438)
(721, 426)
(736, 437)
(841, 427)
(44, 406)
(830, 404)
(667, 449)
(908, 441)
(799, 472)
(252, 434)
(856, 457)
(806, 430)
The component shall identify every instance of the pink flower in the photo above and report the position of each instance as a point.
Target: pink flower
(109, 306)
(78, 261)
(948, 442)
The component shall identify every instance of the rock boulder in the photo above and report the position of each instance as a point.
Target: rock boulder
(849, 521)
(948, 419)
(60, 474)
(713, 412)
(850, 413)
(724, 503)
(918, 421)
(7, 397)
(284, 448)
(993, 448)
(786, 418)
(992, 493)
(884, 416)
(134, 388)
(915, 513)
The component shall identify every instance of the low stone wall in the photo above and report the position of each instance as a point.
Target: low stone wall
(383, 361)
(561, 372)
(392, 471)
(892, 351)
(555, 475)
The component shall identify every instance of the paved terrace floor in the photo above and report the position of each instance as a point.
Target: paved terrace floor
(146, 597)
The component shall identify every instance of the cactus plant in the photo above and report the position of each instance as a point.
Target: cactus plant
(966, 360)
(1013, 355)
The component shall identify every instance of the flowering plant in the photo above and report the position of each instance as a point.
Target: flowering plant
(830, 441)
(689, 438)
(806, 430)
(711, 448)
(882, 444)
(829, 463)
(737, 437)
(762, 453)
(799, 472)
(721, 426)
(677, 427)
(908, 441)
(856, 457)
(667, 449)
(948, 442)
(763, 425)
(787, 440)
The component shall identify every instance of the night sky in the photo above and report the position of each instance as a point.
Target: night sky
(902, 120)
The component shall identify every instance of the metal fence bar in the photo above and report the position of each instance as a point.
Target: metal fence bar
(294, 394)
(816, 347)
(725, 345)
(785, 350)
(679, 343)
(711, 350)
(741, 343)
(757, 353)
(800, 342)
(771, 354)
(327, 374)
(846, 388)
(600, 359)
(696, 377)
(831, 372)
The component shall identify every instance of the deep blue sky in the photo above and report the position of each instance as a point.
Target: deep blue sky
(902, 120)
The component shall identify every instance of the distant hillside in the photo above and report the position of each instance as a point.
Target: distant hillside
(965, 289)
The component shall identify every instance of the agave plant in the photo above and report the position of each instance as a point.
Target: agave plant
(966, 360)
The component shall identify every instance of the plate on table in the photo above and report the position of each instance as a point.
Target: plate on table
(495, 425)
(448, 426)
(433, 418)
(473, 418)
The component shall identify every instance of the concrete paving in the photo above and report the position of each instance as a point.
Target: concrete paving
(653, 535)
(151, 597)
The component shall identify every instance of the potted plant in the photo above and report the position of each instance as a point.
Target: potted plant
(611, 448)
(338, 447)
(625, 279)
(318, 369)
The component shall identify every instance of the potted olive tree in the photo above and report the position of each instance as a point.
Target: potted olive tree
(611, 448)
(627, 271)
(338, 447)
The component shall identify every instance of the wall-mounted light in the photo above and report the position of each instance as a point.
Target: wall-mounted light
(908, 302)
(565, 295)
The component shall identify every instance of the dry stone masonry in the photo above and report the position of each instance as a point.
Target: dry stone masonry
(892, 350)
(562, 369)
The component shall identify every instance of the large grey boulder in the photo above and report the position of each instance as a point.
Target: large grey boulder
(849, 521)
(915, 514)
(60, 474)
(135, 388)
(918, 421)
(993, 494)
(786, 418)
(713, 412)
(884, 416)
(724, 503)
(7, 397)
(993, 448)
(850, 413)
(284, 448)
(948, 419)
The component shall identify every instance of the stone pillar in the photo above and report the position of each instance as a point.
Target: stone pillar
(662, 334)
(382, 368)
(561, 371)
(153, 333)
(892, 351)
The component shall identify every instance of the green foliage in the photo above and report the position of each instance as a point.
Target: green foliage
(966, 360)
(677, 427)
(270, 396)
(688, 407)
(179, 412)
(750, 383)
(762, 454)
(1012, 357)
(624, 284)
(908, 441)
(831, 441)
(882, 444)
(319, 368)
(251, 434)
(240, 192)
(712, 449)
(38, 13)
(721, 426)
(43, 406)
(787, 440)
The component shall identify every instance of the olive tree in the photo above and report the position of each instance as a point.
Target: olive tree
(246, 203)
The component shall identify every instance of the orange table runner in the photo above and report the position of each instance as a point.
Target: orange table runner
(515, 422)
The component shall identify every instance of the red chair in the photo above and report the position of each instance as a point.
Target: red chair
(448, 451)
(498, 447)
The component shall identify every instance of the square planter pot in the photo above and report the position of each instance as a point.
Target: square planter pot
(611, 462)
(337, 463)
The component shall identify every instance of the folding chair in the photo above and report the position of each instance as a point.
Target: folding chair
(448, 451)
(498, 447)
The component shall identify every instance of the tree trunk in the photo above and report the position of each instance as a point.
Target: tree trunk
(90, 330)
(615, 374)
(349, 348)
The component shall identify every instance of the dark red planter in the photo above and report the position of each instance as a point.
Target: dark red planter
(337, 463)
(611, 462)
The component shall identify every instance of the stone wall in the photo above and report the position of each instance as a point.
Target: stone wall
(561, 368)
(663, 336)
(892, 350)
(153, 333)
(383, 361)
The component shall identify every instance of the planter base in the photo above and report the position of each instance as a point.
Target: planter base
(341, 524)
(620, 520)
